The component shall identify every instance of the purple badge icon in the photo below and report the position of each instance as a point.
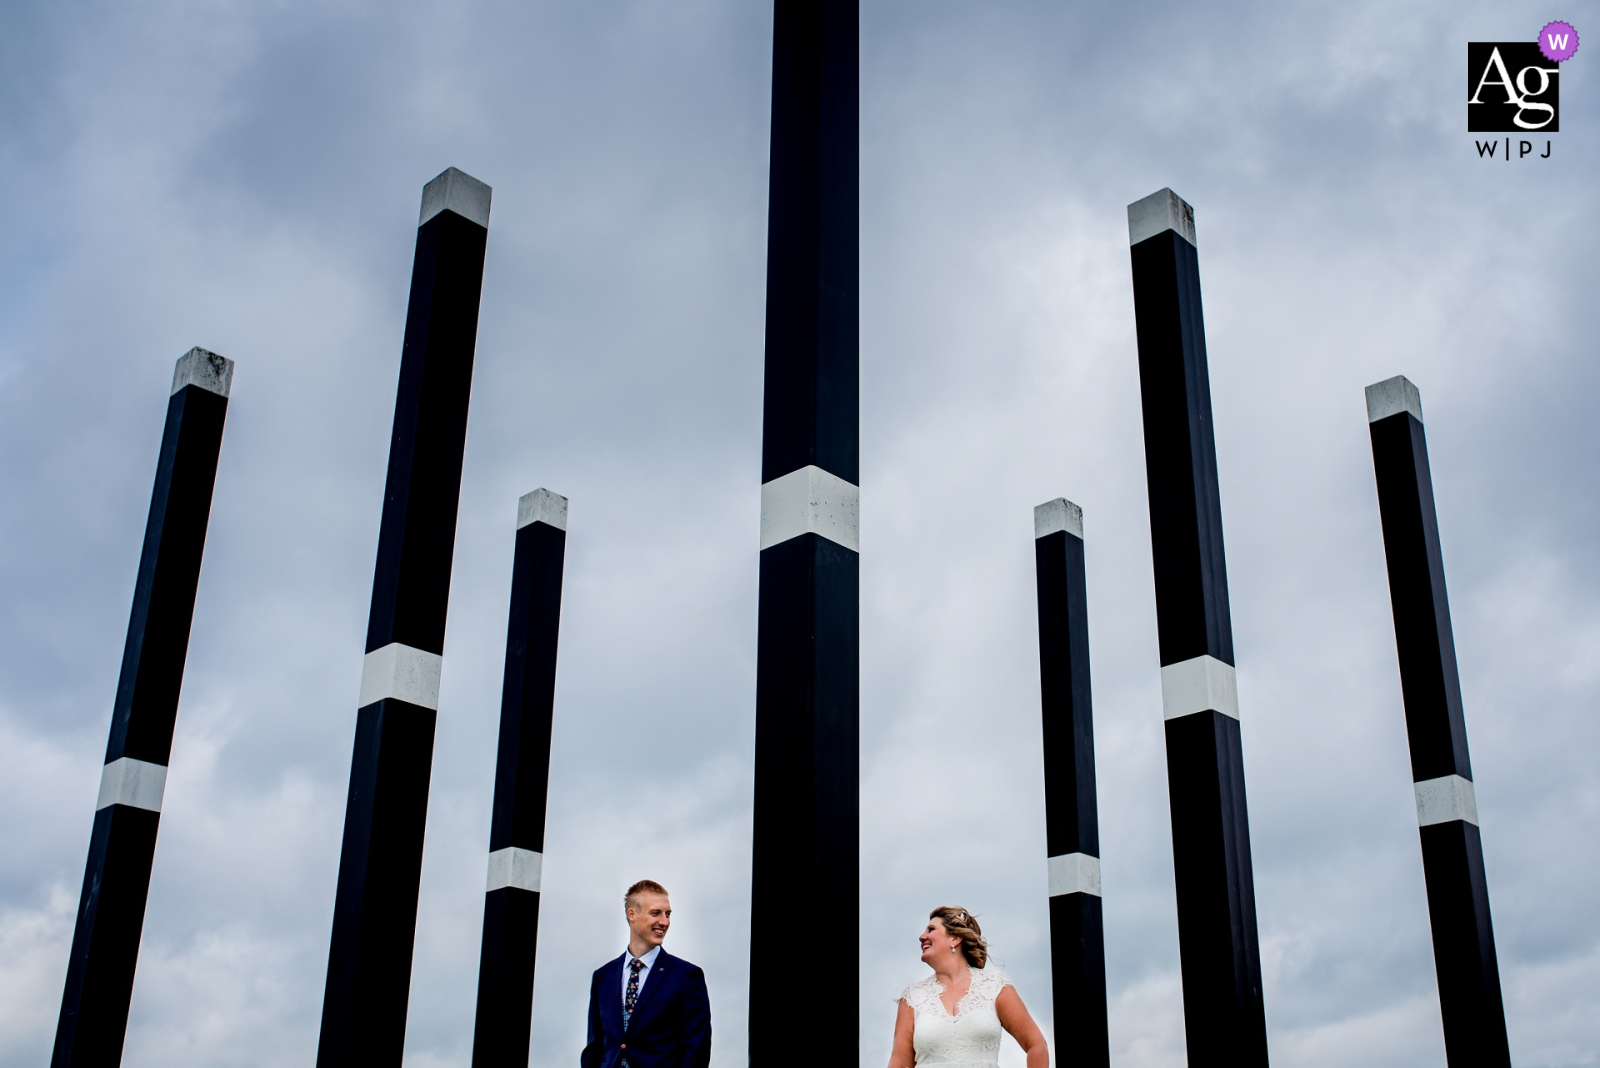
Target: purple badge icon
(1558, 41)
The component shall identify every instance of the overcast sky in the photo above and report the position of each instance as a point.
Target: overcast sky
(246, 178)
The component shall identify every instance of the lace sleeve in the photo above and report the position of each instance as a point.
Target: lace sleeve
(921, 997)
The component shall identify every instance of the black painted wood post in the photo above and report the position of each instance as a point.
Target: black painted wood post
(1217, 941)
(1447, 808)
(521, 786)
(122, 846)
(1071, 813)
(807, 792)
(380, 866)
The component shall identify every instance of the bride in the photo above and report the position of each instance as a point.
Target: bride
(952, 1019)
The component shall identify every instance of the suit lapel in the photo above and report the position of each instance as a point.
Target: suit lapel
(652, 980)
(611, 996)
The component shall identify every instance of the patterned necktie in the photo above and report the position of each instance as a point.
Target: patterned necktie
(632, 995)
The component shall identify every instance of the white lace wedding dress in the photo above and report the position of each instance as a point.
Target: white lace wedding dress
(968, 1039)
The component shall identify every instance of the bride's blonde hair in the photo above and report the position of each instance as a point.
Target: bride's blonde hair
(964, 925)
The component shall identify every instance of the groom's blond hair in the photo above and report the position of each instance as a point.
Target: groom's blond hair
(630, 900)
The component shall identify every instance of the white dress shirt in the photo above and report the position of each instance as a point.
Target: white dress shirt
(649, 962)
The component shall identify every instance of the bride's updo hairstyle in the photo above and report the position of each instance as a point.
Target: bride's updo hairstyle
(964, 925)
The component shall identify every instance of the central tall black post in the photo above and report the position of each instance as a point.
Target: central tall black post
(122, 847)
(1436, 727)
(1071, 812)
(375, 911)
(1217, 941)
(806, 833)
(521, 786)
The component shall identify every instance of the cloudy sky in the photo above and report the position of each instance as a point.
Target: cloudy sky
(246, 177)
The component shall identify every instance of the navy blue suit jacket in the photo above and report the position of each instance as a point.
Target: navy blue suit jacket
(671, 1024)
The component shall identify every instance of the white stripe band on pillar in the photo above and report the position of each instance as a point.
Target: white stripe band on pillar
(542, 506)
(811, 501)
(1074, 873)
(1391, 397)
(1059, 514)
(1445, 800)
(1204, 684)
(403, 673)
(1158, 213)
(513, 866)
(135, 783)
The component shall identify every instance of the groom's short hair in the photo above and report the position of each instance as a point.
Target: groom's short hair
(630, 900)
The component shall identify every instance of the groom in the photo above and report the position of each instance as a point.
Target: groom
(647, 1008)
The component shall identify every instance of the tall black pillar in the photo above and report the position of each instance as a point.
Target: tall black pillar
(521, 786)
(122, 847)
(1447, 808)
(1217, 943)
(375, 910)
(1071, 813)
(807, 663)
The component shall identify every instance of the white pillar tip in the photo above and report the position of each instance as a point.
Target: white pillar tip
(210, 372)
(542, 506)
(1391, 397)
(1059, 514)
(1158, 213)
(459, 192)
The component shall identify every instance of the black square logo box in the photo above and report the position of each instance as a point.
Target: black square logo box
(1512, 88)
